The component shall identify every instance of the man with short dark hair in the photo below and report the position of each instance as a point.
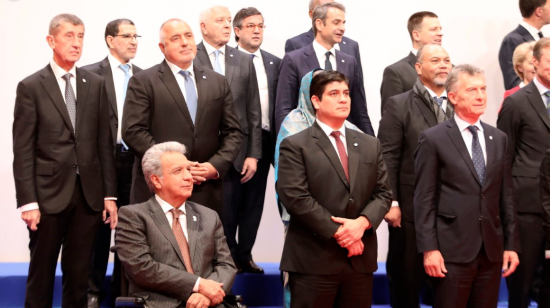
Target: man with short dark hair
(536, 14)
(63, 166)
(464, 213)
(406, 116)
(424, 28)
(122, 40)
(524, 118)
(333, 182)
(328, 23)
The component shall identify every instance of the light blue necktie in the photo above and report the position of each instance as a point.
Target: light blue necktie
(191, 94)
(547, 94)
(217, 67)
(126, 69)
(477, 154)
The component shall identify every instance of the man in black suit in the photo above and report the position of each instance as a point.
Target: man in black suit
(178, 101)
(248, 197)
(122, 40)
(524, 118)
(346, 45)
(424, 28)
(407, 115)
(464, 210)
(544, 301)
(329, 27)
(333, 182)
(63, 166)
(536, 14)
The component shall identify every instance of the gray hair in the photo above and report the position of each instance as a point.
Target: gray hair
(205, 14)
(421, 51)
(150, 163)
(320, 12)
(458, 70)
(61, 18)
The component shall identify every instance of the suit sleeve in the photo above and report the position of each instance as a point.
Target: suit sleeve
(287, 91)
(135, 255)
(25, 124)
(505, 55)
(425, 194)
(136, 117)
(105, 146)
(391, 86)
(231, 136)
(292, 185)
(390, 134)
(289, 46)
(379, 205)
(508, 211)
(224, 269)
(359, 114)
(509, 121)
(254, 115)
(545, 193)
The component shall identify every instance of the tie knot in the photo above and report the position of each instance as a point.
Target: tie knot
(217, 52)
(176, 213)
(540, 34)
(125, 68)
(185, 73)
(547, 94)
(328, 54)
(67, 77)
(335, 134)
(473, 129)
(252, 56)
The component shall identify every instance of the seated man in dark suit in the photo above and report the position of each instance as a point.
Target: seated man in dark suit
(172, 262)
(535, 13)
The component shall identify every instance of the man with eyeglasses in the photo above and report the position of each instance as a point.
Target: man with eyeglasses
(238, 69)
(122, 40)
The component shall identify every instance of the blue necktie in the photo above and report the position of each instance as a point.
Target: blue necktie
(126, 69)
(547, 94)
(477, 154)
(252, 56)
(217, 67)
(191, 94)
(439, 100)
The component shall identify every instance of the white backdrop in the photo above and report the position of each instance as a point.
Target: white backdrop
(473, 31)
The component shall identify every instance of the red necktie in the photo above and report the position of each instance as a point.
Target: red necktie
(182, 241)
(341, 152)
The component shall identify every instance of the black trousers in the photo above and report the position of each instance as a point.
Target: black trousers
(473, 285)
(404, 267)
(520, 283)
(100, 256)
(244, 204)
(346, 289)
(74, 229)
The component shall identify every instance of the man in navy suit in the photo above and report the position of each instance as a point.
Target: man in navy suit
(536, 13)
(329, 27)
(347, 45)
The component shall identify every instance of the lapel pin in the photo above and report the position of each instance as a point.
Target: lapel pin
(491, 137)
(355, 144)
(343, 60)
(203, 77)
(344, 43)
(271, 62)
(194, 218)
(231, 55)
(83, 80)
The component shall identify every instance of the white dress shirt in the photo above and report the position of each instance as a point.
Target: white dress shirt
(118, 79)
(261, 75)
(444, 104)
(328, 130)
(221, 58)
(414, 51)
(532, 30)
(166, 207)
(468, 136)
(321, 51)
(181, 80)
(542, 89)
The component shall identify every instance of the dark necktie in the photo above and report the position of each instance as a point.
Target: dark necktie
(126, 69)
(70, 100)
(477, 154)
(328, 66)
(547, 103)
(540, 34)
(182, 241)
(341, 152)
(252, 56)
(439, 101)
(191, 94)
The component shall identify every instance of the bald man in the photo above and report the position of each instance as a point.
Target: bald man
(177, 100)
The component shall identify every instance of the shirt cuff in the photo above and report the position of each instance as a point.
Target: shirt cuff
(196, 287)
(29, 207)
(110, 199)
(394, 203)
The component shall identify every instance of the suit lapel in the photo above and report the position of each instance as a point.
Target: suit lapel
(324, 143)
(311, 58)
(202, 55)
(166, 75)
(490, 153)
(107, 74)
(353, 156)
(308, 37)
(192, 230)
(527, 37)
(202, 91)
(50, 84)
(82, 87)
(230, 63)
(271, 72)
(427, 113)
(162, 223)
(341, 65)
(535, 99)
(456, 138)
(411, 59)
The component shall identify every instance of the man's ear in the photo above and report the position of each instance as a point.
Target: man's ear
(315, 102)
(156, 181)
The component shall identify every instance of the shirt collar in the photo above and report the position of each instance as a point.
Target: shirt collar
(532, 30)
(320, 50)
(166, 207)
(462, 125)
(328, 130)
(414, 51)
(115, 63)
(176, 69)
(59, 72)
(210, 49)
(432, 93)
(257, 53)
(542, 89)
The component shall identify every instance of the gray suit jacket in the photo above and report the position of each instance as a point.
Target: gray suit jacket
(152, 259)
(241, 76)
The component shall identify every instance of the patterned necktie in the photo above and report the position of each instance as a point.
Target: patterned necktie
(547, 94)
(328, 65)
(126, 69)
(540, 34)
(477, 154)
(182, 241)
(70, 100)
(341, 152)
(191, 94)
(217, 66)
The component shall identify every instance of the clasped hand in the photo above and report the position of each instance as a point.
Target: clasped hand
(350, 233)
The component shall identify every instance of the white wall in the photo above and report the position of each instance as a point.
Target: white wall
(473, 31)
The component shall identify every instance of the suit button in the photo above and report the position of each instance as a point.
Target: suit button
(195, 139)
(76, 143)
(351, 200)
(116, 125)
(482, 196)
(480, 217)
(74, 166)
